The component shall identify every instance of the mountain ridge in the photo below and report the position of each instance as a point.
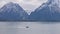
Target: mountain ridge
(48, 11)
(12, 12)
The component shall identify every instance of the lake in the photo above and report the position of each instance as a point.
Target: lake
(29, 27)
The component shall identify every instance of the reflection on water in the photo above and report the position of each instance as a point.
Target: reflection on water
(34, 28)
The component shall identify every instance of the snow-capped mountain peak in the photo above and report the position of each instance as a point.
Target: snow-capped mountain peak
(53, 2)
(12, 11)
(50, 4)
(49, 11)
(12, 5)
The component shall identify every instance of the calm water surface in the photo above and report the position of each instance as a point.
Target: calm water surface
(33, 28)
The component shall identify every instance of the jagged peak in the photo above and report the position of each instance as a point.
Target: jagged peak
(53, 2)
(11, 4)
(50, 3)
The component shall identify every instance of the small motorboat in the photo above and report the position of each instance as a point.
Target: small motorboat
(27, 26)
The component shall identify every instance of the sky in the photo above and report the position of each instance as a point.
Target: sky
(28, 5)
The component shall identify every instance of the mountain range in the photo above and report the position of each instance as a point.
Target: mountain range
(49, 11)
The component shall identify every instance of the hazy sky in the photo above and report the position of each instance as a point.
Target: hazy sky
(25, 4)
